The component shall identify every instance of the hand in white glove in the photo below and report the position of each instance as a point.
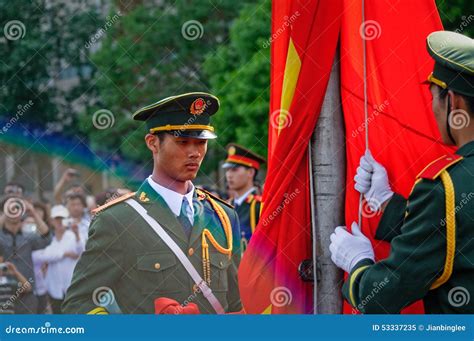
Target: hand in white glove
(372, 181)
(348, 249)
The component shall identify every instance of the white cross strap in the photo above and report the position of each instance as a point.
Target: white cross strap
(206, 291)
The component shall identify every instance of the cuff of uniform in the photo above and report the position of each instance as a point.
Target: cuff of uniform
(392, 219)
(351, 285)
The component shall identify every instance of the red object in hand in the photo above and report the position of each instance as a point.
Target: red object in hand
(168, 306)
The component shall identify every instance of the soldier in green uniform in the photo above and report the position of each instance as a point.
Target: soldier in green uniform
(242, 166)
(431, 234)
(169, 239)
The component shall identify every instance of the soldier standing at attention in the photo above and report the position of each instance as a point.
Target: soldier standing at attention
(242, 166)
(431, 234)
(169, 240)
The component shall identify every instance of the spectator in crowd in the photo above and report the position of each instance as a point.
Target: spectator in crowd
(12, 285)
(69, 180)
(61, 256)
(14, 188)
(41, 290)
(18, 246)
(79, 216)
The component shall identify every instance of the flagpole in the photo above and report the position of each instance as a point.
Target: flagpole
(327, 181)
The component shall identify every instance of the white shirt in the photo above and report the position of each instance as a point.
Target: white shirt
(83, 226)
(40, 280)
(60, 268)
(173, 199)
(238, 201)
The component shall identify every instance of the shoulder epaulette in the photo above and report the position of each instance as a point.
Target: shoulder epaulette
(253, 197)
(435, 168)
(113, 202)
(200, 192)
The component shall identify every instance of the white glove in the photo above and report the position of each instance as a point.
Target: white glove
(348, 249)
(372, 181)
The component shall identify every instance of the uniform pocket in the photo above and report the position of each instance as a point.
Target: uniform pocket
(219, 266)
(155, 272)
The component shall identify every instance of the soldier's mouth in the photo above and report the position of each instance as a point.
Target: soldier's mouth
(192, 166)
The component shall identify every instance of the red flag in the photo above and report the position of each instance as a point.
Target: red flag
(268, 275)
(402, 130)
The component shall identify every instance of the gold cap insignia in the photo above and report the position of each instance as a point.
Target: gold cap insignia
(198, 106)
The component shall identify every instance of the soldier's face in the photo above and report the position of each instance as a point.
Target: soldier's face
(179, 157)
(239, 177)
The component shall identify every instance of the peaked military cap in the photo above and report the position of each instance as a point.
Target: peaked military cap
(241, 156)
(186, 115)
(454, 61)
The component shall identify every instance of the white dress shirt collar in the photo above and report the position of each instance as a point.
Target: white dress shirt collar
(173, 199)
(238, 201)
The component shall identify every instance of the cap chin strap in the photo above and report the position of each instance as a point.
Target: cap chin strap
(448, 126)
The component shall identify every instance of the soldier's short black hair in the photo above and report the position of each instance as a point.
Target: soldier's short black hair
(468, 99)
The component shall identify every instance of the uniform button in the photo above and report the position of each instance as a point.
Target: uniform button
(221, 263)
(157, 266)
(191, 251)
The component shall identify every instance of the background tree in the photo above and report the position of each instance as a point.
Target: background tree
(43, 60)
(153, 51)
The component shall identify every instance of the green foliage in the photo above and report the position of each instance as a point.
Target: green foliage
(153, 51)
(239, 74)
(457, 15)
(45, 47)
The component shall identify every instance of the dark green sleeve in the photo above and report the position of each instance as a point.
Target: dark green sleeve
(416, 259)
(98, 267)
(392, 219)
(233, 295)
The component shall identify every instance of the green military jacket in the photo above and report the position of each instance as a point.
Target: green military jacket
(125, 256)
(249, 215)
(419, 257)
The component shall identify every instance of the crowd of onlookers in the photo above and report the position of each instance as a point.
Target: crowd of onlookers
(41, 242)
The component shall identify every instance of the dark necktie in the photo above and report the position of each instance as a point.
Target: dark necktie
(184, 217)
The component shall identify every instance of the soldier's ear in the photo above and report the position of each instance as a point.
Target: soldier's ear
(152, 142)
